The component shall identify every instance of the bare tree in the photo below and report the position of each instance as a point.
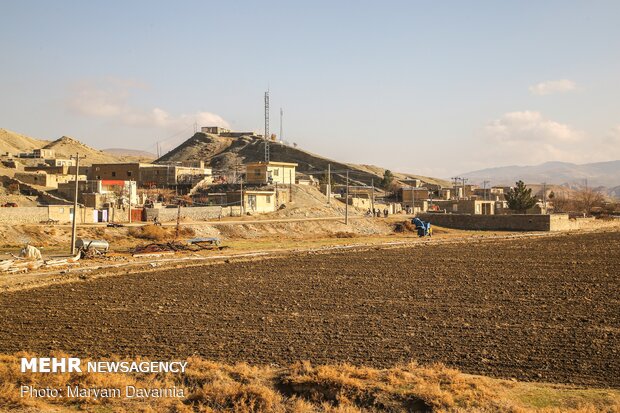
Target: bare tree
(562, 203)
(586, 199)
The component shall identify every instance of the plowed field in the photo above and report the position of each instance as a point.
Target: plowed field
(543, 309)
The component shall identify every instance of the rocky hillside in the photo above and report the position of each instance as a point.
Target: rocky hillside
(226, 153)
(66, 146)
(14, 142)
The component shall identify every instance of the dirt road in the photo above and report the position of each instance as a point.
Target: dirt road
(544, 309)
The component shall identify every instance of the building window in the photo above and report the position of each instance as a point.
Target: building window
(128, 173)
(256, 172)
(276, 172)
(113, 173)
(268, 199)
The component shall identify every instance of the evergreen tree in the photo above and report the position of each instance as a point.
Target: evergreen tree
(520, 198)
(388, 177)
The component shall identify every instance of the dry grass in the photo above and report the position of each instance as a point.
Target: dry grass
(159, 233)
(342, 234)
(150, 232)
(213, 387)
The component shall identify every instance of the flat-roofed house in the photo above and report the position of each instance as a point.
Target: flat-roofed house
(270, 172)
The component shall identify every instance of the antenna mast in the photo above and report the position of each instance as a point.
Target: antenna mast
(267, 126)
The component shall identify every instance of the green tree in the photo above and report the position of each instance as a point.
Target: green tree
(388, 177)
(520, 198)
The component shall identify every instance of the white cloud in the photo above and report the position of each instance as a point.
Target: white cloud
(553, 86)
(527, 137)
(529, 126)
(109, 98)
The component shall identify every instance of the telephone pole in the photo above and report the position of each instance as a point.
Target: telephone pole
(267, 126)
(346, 203)
(241, 204)
(75, 204)
(484, 188)
(290, 186)
(281, 130)
(329, 183)
(372, 196)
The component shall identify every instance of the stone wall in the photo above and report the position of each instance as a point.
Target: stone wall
(23, 215)
(190, 213)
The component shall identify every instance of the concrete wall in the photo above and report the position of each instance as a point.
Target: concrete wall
(35, 215)
(555, 222)
(490, 222)
(190, 213)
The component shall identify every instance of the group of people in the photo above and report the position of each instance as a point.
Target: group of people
(377, 213)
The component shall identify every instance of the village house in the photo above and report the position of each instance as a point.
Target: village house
(254, 201)
(467, 206)
(261, 173)
(37, 178)
(149, 175)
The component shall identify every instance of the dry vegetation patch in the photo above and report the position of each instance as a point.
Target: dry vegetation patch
(303, 387)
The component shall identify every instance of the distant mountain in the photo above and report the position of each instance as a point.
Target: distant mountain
(132, 153)
(606, 174)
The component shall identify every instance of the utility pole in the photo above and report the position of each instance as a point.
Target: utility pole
(455, 184)
(281, 130)
(413, 199)
(130, 202)
(329, 183)
(241, 203)
(176, 234)
(75, 204)
(372, 196)
(290, 186)
(463, 180)
(346, 203)
(267, 126)
(484, 188)
(544, 196)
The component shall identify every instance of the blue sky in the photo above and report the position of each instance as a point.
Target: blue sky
(436, 88)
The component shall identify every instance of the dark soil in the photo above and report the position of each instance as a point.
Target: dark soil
(545, 309)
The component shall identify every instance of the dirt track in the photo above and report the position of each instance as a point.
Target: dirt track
(543, 309)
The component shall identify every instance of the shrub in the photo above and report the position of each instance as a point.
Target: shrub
(151, 232)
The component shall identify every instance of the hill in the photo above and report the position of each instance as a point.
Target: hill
(138, 155)
(225, 153)
(606, 174)
(14, 142)
(66, 146)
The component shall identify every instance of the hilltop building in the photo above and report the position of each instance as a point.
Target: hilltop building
(260, 173)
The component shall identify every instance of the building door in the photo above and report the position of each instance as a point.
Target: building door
(252, 202)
